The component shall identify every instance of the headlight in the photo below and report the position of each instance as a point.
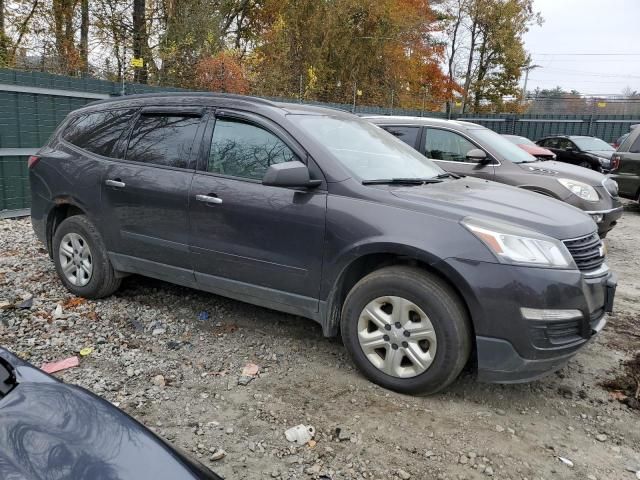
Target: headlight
(584, 191)
(515, 245)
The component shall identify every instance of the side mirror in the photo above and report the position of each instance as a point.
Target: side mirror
(478, 156)
(289, 174)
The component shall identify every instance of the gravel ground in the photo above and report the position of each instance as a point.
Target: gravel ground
(156, 357)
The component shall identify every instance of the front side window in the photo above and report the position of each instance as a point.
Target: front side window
(240, 149)
(446, 145)
(99, 132)
(408, 135)
(163, 140)
(635, 148)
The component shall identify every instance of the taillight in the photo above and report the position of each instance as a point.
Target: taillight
(33, 159)
(615, 161)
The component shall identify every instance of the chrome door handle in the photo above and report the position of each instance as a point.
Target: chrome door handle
(209, 199)
(115, 183)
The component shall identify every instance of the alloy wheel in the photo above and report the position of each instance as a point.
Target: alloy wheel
(76, 261)
(397, 337)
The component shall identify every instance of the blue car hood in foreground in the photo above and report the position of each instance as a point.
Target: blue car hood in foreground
(53, 431)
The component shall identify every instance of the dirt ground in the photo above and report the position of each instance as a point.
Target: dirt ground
(157, 356)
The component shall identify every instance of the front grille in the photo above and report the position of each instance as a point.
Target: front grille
(587, 251)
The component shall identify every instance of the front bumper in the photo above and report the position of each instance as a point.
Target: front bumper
(513, 349)
(606, 219)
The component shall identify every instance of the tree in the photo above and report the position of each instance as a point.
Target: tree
(84, 34)
(489, 33)
(222, 73)
(140, 41)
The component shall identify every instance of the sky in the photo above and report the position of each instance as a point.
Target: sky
(573, 27)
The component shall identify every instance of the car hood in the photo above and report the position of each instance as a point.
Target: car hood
(602, 153)
(564, 170)
(47, 426)
(536, 150)
(481, 198)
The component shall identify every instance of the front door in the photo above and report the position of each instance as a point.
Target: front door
(248, 240)
(145, 195)
(449, 149)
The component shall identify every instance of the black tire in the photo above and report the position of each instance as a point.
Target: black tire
(585, 164)
(441, 304)
(103, 281)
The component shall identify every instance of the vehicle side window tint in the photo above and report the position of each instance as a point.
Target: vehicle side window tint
(635, 148)
(99, 132)
(244, 150)
(446, 145)
(551, 143)
(408, 135)
(163, 140)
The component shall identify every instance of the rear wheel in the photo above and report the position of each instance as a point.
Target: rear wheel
(81, 259)
(406, 330)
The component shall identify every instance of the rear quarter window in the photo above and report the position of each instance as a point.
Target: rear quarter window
(635, 146)
(99, 132)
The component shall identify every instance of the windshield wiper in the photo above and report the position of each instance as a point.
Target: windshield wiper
(401, 181)
(455, 176)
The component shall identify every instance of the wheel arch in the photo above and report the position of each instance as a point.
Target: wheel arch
(64, 207)
(375, 257)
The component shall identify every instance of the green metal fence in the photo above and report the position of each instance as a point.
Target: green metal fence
(32, 104)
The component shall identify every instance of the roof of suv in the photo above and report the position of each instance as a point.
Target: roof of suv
(213, 99)
(427, 121)
(567, 136)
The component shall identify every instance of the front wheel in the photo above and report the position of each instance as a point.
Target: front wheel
(406, 330)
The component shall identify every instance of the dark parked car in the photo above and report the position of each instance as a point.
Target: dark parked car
(626, 166)
(321, 214)
(587, 152)
(531, 148)
(466, 148)
(50, 430)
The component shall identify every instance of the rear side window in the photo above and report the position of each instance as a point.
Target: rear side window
(99, 132)
(244, 150)
(408, 135)
(163, 140)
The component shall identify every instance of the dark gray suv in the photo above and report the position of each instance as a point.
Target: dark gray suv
(321, 214)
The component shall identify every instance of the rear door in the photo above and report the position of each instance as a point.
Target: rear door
(449, 149)
(628, 173)
(145, 194)
(258, 243)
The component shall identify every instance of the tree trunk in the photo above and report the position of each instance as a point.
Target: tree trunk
(140, 39)
(63, 11)
(4, 47)
(468, 75)
(84, 35)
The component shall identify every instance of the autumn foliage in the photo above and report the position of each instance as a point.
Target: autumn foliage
(222, 73)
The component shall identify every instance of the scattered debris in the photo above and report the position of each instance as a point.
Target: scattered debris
(312, 443)
(203, 315)
(26, 304)
(566, 461)
(60, 365)
(74, 302)
(159, 381)
(249, 372)
(86, 351)
(601, 437)
(218, 454)
(57, 313)
(625, 388)
(300, 434)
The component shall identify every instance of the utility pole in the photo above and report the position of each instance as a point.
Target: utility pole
(527, 69)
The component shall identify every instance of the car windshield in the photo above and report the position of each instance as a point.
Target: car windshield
(368, 151)
(502, 146)
(519, 140)
(591, 143)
